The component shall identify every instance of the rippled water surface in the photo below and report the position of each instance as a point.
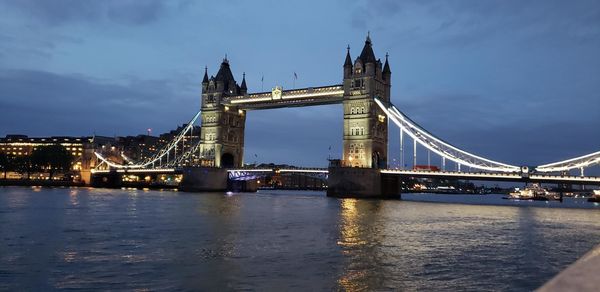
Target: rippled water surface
(133, 239)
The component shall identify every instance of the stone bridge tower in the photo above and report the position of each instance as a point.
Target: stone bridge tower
(222, 134)
(365, 124)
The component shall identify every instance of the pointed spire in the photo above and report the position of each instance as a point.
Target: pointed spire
(205, 79)
(224, 73)
(243, 86)
(386, 67)
(348, 61)
(367, 55)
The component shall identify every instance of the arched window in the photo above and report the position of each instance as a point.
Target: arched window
(210, 136)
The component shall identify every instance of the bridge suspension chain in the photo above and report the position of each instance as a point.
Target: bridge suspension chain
(158, 156)
(570, 164)
(436, 145)
(184, 156)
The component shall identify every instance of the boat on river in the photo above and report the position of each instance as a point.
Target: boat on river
(533, 192)
(595, 196)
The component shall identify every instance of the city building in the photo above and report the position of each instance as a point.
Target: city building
(81, 148)
(138, 148)
(22, 145)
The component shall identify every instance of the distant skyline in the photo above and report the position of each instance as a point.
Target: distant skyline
(515, 81)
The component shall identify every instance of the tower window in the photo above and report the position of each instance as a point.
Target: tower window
(357, 131)
(210, 136)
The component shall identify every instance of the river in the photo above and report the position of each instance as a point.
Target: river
(84, 238)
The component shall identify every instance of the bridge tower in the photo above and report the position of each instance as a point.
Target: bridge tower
(365, 125)
(222, 134)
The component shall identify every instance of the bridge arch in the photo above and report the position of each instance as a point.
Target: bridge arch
(227, 160)
(377, 160)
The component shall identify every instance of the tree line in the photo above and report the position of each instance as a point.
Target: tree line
(51, 159)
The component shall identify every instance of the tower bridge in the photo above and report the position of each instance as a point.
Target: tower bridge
(224, 104)
(363, 169)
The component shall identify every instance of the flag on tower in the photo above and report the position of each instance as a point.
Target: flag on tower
(295, 75)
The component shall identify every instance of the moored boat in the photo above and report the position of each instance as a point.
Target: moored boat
(595, 196)
(532, 192)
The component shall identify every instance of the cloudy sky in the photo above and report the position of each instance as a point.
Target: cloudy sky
(516, 81)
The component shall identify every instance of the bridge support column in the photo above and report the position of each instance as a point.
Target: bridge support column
(222, 131)
(204, 179)
(107, 180)
(365, 125)
(354, 182)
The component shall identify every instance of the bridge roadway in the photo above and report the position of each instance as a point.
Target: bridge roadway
(489, 176)
(279, 98)
(482, 176)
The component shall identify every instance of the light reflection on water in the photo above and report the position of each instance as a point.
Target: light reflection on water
(83, 238)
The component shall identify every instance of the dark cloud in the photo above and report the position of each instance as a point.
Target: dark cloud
(43, 103)
(57, 12)
(466, 22)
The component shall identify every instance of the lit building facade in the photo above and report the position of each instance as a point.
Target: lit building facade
(22, 145)
(138, 148)
(81, 148)
(222, 136)
(365, 124)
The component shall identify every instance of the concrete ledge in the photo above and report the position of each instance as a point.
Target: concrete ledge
(203, 179)
(354, 182)
(579, 276)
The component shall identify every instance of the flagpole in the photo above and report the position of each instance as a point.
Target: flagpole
(294, 78)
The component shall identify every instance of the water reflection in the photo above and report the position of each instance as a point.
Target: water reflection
(360, 240)
(149, 240)
(422, 246)
(74, 199)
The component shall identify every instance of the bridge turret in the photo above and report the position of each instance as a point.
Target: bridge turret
(222, 132)
(225, 81)
(367, 56)
(243, 87)
(387, 73)
(365, 125)
(205, 80)
(348, 64)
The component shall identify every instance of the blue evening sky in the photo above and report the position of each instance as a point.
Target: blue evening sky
(516, 81)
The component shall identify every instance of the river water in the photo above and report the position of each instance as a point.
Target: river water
(80, 238)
